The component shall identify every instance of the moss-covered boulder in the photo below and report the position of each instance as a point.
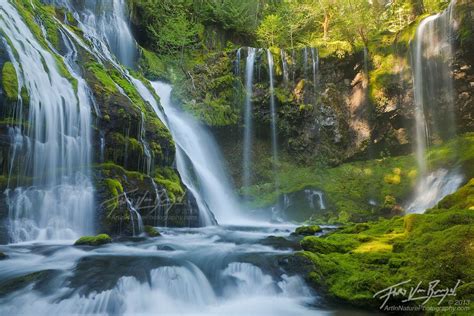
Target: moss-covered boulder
(151, 231)
(98, 240)
(308, 230)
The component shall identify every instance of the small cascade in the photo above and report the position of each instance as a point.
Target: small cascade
(273, 116)
(315, 66)
(199, 163)
(55, 151)
(433, 188)
(284, 66)
(434, 95)
(248, 124)
(315, 198)
(134, 214)
(238, 57)
(147, 159)
(305, 63)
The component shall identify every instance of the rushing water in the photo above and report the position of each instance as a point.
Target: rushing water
(205, 271)
(434, 102)
(248, 126)
(273, 113)
(56, 146)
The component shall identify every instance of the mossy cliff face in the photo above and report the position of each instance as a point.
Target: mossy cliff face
(133, 151)
(357, 261)
(356, 191)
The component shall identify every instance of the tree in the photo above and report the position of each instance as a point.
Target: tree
(270, 31)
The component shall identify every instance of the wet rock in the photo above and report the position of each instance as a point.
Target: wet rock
(308, 230)
(279, 242)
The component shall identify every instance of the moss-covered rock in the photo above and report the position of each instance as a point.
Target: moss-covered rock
(420, 247)
(98, 240)
(308, 230)
(10, 81)
(151, 231)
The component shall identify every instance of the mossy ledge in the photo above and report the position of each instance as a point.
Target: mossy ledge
(357, 261)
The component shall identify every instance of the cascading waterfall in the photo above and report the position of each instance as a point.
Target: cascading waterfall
(248, 124)
(433, 93)
(57, 144)
(199, 163)
(273, 116)
(105, 24)
(305, 63)
(315, 66)
(284, 66)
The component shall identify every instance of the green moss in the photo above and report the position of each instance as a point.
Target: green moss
(353, 265)
(98, 240)
(10, 81)
(152, 231)
(107, 86)
(152, 66)
(169, 179)
(114, 188)
(308, 230)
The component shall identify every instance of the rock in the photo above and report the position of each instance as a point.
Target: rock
(307, 230)
(281, 243)
(3, 256)
(165, 248)
(151, 231)
(98, 240)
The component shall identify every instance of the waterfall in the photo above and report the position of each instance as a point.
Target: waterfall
(305, 62)
(237, 62)
(106, 25)
(56, 146)
(434, 103)
(273, 116)
(197, 156)
(315, 64)
(147, 159)
(248, 128)
(284, 66)
(199, 163)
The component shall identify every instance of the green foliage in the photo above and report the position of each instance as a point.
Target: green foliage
(269, 31)
(10, 81)
(98, 240)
